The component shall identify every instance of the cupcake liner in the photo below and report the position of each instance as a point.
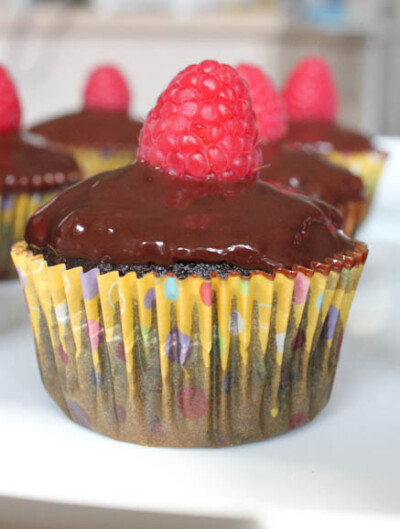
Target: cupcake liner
(368, 165)
(93, 161)
(15, 210)
(353, 214)
(192, 362)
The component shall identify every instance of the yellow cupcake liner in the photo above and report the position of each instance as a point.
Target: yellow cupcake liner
(189, 362)
(368, 165)
(94, 161)
(15, 210)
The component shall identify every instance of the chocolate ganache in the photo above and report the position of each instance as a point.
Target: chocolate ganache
(137, 215)
(310, 174)
(325, 137)
(29, 163)
(95, 128)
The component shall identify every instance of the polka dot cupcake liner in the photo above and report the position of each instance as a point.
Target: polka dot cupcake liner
(15, 210)
(94, 161)
(193, 362)
(367, 165)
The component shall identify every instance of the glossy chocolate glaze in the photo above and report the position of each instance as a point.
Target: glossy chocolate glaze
(100, 129)
(137, 215)
(310, 174)
(29, 163)
(325, 137)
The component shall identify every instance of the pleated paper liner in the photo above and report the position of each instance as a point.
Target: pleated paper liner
(191, 362)
(15, 210)
(93, 161)
(353, 213)
(368, 165)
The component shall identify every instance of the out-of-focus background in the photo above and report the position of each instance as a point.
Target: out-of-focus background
(50, 46)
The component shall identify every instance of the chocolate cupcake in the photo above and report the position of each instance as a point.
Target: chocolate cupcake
(306, 173)
(301, 171)
(311, 97)
(102, 136)
(31, 171)
(192, 304)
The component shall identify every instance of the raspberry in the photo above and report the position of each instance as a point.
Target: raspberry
(310, 91)
(10, 109)
(268, 103)
(203, 126)
(106, 89)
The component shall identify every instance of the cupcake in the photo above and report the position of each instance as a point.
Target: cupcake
(31, 171)
(102, 136)
(301, 171)
(191, 304)
(307, 173)
(311, 97)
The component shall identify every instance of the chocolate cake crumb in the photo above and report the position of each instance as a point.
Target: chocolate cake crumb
(181, 270)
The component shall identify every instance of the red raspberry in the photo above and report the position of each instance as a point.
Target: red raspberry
(203, 126)
(310, 91)
(10, 109)
(268, 103)
(106, 89)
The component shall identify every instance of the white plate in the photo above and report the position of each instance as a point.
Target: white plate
(342, 468)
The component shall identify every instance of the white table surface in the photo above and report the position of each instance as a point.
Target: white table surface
(342, 468)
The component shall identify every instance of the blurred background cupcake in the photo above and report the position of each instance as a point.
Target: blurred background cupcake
(102, 135)
(303, 172)
(311, 97)
(31, 171)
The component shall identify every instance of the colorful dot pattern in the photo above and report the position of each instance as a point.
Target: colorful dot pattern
(15, 210)
(192, 362)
